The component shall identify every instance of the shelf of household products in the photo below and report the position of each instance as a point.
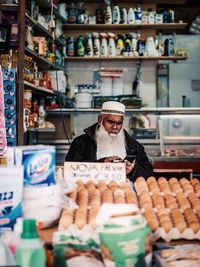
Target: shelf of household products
(40, 89)
(44, 130)
(128, 111)
(43, 62)
(120, 27)
(128, 58)
(9, 7)
(41, 29)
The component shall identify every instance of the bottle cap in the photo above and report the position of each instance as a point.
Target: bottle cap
(29, 229)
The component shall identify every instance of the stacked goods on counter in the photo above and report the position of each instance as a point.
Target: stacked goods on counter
(171, 207)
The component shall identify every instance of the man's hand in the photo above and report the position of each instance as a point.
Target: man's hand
(129, 166)
(113, 159)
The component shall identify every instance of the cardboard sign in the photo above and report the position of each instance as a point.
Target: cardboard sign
(95, 171)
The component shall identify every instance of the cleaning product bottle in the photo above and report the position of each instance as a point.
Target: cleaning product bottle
(111, 45)
(138, 15)
(108, 14)
(89, 46)
(30, 252)
(80, 46)
(124, 16)
(131, 16)
(116, 14)
(119, 45)
(104, 45)
(96, 47)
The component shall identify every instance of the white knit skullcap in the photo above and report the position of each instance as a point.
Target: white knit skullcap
(113, 107)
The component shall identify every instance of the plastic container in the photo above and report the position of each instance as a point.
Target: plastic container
(83, 100)
(30, 252)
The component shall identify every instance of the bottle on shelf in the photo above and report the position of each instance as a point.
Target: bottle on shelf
(111, 45)
(131, 16)
(119, 45)
(96, 46)
(71, 47)
(138, 15)
(80, 46)
(116, 14)
(30, 252)
(104, 45)
(89, 47)
(124, 16)
(72, 13)
(108, 13)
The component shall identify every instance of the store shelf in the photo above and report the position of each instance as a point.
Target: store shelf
(174, 58)
(120, 27)
(9, 7)
(43, 62)
(46, 130)
(142, 110)
(38, 88)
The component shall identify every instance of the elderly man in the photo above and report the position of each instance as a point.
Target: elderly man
(107, 141)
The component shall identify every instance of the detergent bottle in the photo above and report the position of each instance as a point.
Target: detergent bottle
(30, 252)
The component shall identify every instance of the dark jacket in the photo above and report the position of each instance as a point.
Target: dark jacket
(84, 148)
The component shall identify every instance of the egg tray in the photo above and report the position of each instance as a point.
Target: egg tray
(171, 207)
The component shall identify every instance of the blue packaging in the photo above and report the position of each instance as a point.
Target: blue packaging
(39, 164)
(11, 193)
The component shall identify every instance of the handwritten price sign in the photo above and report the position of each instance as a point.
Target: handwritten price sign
(95, 171)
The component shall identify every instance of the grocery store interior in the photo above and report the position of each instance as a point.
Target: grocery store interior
(60, 61)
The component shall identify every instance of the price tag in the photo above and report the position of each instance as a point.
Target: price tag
(95, 171)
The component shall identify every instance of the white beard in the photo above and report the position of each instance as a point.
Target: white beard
(110, 144)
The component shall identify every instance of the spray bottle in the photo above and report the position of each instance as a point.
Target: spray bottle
(111, 45)
(104, 45)
(30, 252)
(96, 47)
(89, 46)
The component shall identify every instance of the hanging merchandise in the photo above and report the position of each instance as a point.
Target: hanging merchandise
(96, 47)
(2, 119)
(80, 46)
(9, 87)
(104, 45)
(111, 45)
(136, 82)
(89, 47)
(131, 16)
(108, 13)
(124, 16)
(116, 14)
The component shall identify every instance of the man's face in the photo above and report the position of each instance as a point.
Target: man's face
(112, 123)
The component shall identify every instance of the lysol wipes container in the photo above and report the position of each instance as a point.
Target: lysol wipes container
(39, 164)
